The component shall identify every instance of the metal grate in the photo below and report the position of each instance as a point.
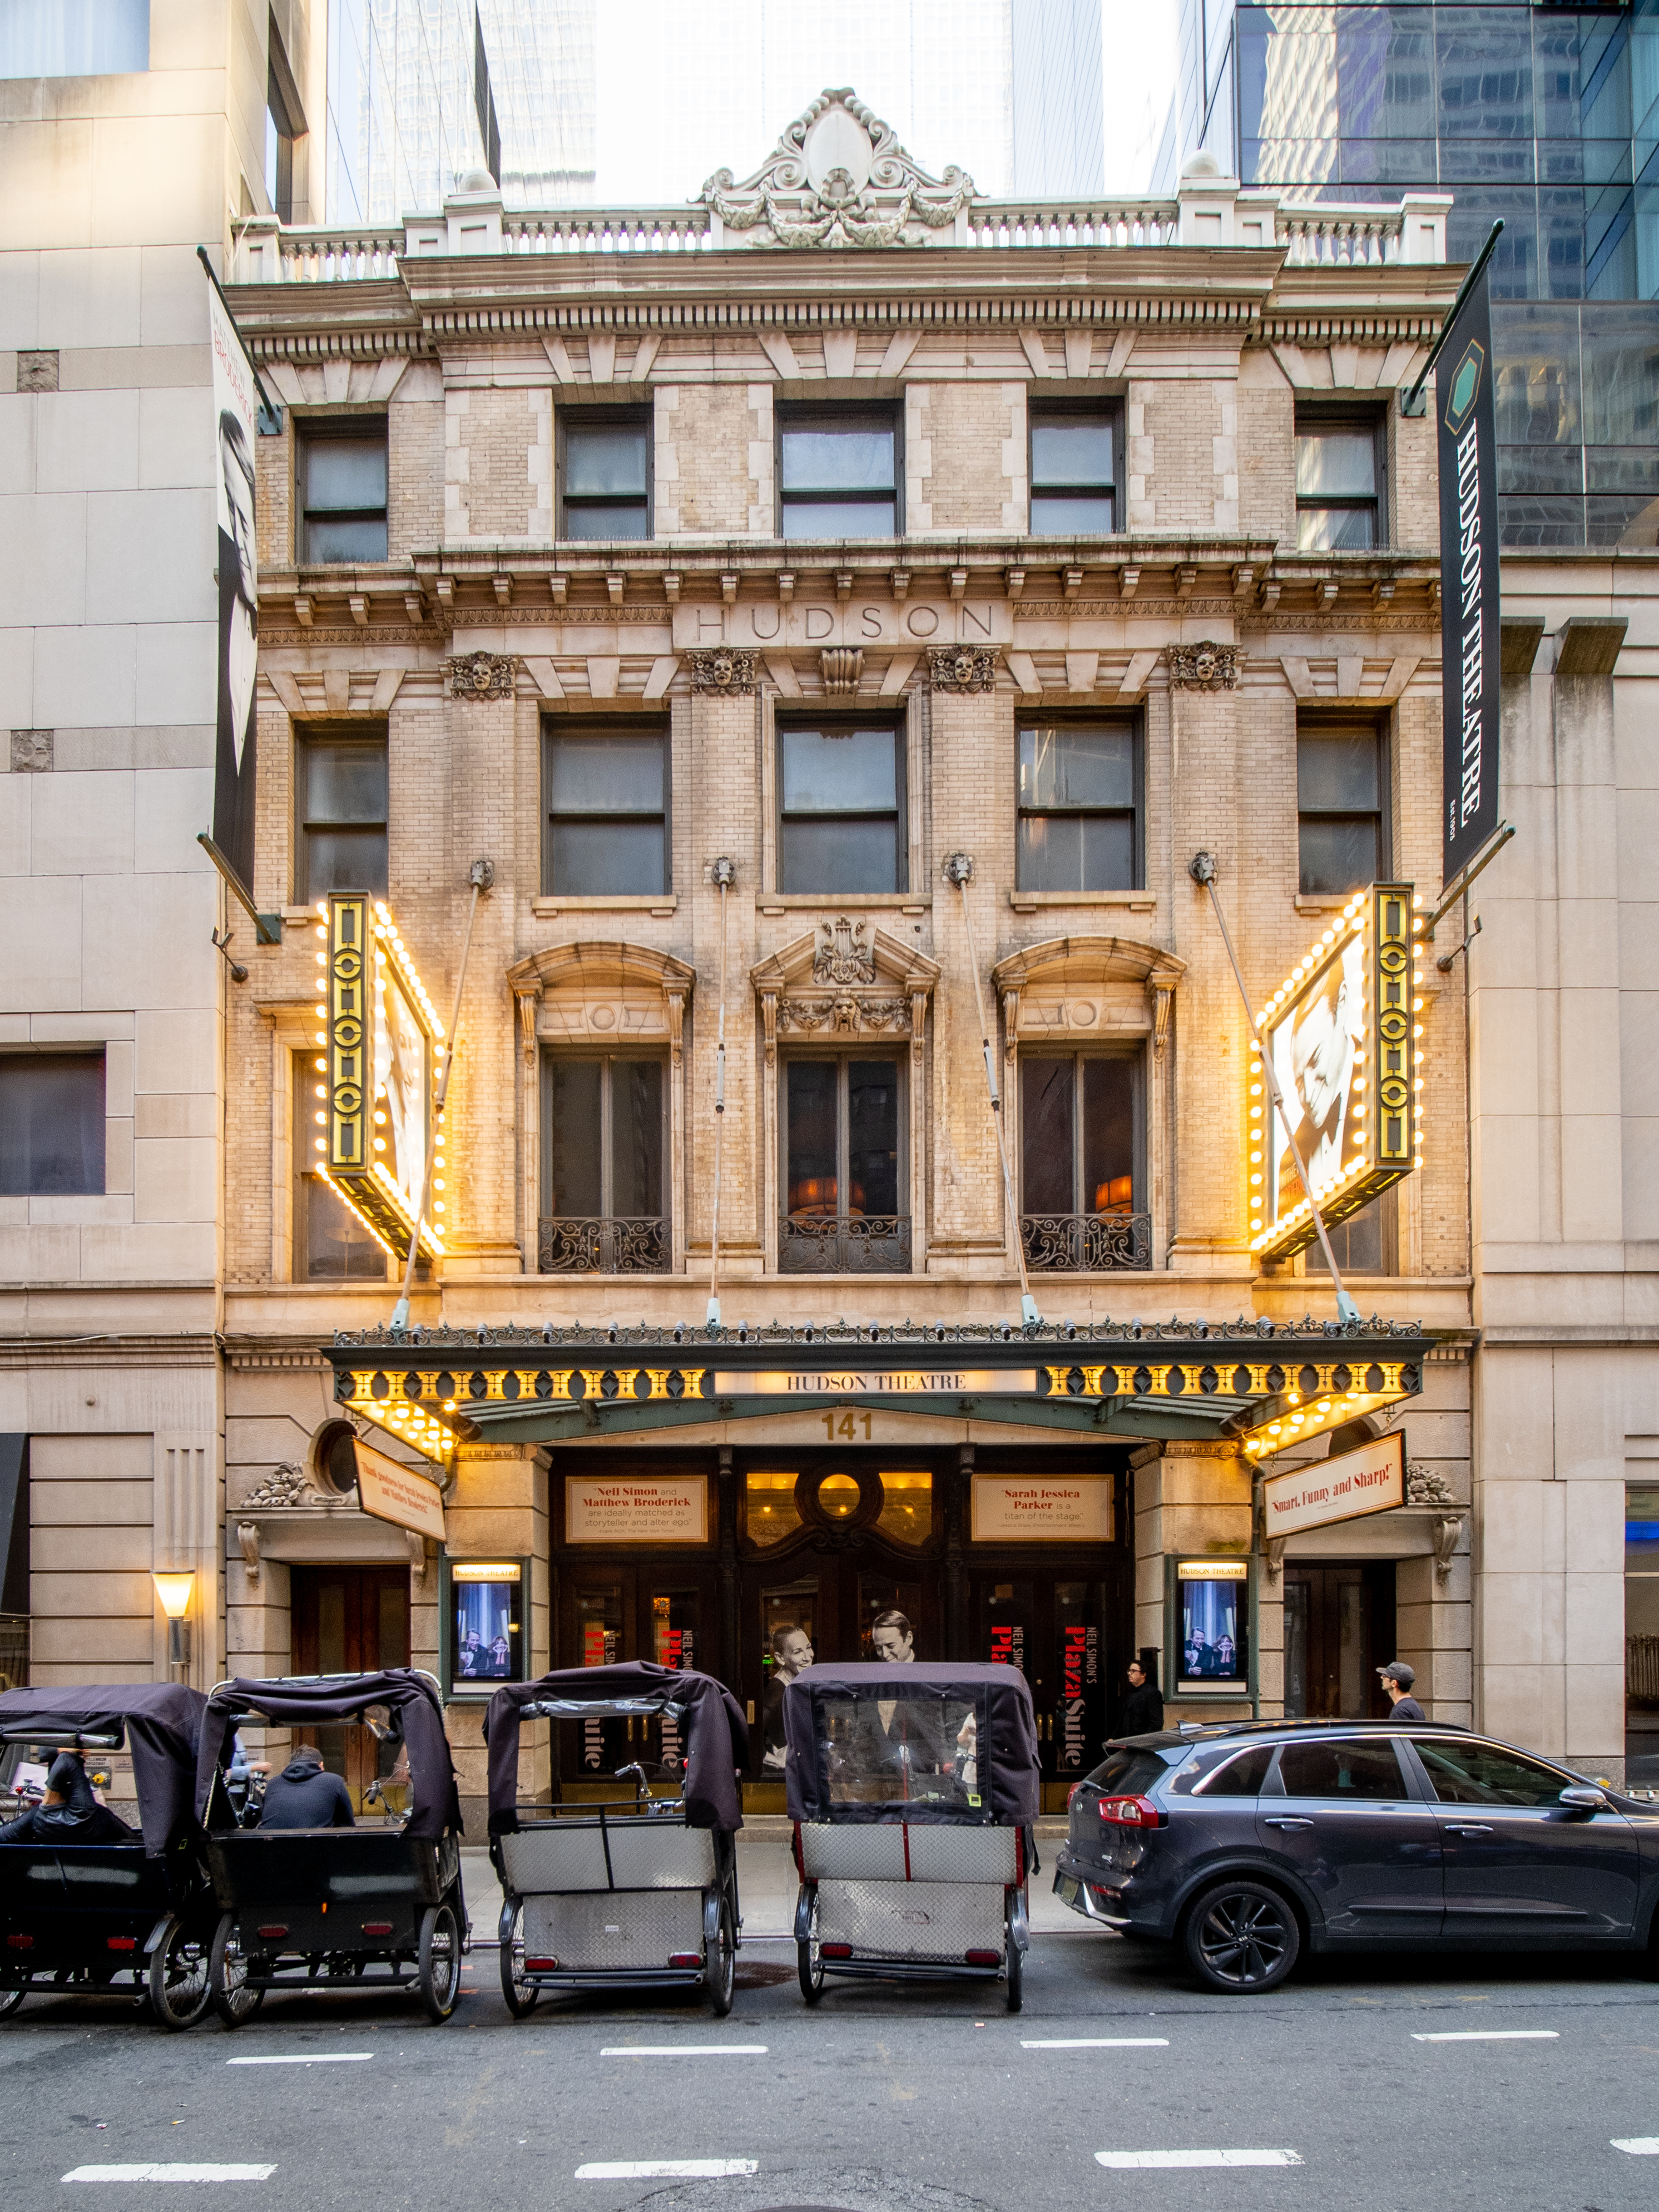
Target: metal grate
(844, 1244)
(912, 1920)
(1085, 1243)
(622, 1928)
(1642, 1669)
(603, 1244)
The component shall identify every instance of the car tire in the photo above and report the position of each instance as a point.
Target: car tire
(232, 1999)
(180, 1981)
(1241, 1938)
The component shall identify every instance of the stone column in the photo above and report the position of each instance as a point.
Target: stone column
(1191, 1499)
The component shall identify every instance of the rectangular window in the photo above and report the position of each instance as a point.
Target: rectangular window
(1341, 789)
(330, 1245)
(840, 808)
(51, 1124)
(1079, 807)
(1339, 476)
(1365, 1244)
(1073, 470)
(285, 123)
(843, 1168)
(838, 472)
(1082, 1143)
(340, 792)
(1642, 1636)
(607, 810)
(74, 38)
(341, 485)
(604, 475)
(603, 1143)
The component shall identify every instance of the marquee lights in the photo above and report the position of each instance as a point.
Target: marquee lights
(1343, 1029)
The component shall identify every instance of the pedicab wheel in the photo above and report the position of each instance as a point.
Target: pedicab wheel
(1242, 1938)
(1016, 1976)
(179, 1977)
(809, 1960)
(440, 1961)
(720, 1973)
(519, 1994)
(232, 1999)
(11, 1999)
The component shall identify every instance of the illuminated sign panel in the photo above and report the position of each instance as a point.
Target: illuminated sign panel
(382, 1040)
(1342, 1033)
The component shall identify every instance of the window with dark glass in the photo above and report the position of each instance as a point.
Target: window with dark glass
(1079, 807)
(330, 1243)
(1079, 1133)
(604, 475)
(51, 1124)
(841, 807)
(1338, 474)
(607, 810)
(1363, 1244)
(342, 486)
(602, 1148)
(1341, 812)
(1073, 470)
(838, 472)
(340, 789)
(843, 1176)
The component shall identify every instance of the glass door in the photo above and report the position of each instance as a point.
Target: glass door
(349, 1621)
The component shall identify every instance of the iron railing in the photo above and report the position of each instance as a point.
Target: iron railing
(1085, 1243)
(844, 1244)
(603, 1244)
(13, 1650)
(1642, 1669)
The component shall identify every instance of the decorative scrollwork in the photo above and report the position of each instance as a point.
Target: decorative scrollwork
(1204, 667)
(603, 1244)
(287, 1485)
(842, 952)
(481, 675)
(844, 1244)
(717, 670)
(1085, 1243)
(961, 667)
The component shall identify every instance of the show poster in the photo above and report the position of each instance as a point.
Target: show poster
(1316, 1051)
(235, 413)
(1041, 1508)
(1470, 685)
(1369, 1480)
(661, 1509)
(1211, 1597)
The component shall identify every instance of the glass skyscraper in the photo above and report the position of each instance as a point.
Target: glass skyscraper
(1546, 116)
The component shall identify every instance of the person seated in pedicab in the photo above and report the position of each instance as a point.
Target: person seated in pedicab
(305, 1795)
(69, 1812)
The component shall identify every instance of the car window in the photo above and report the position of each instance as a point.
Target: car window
(1242, 1776)
(1367, 1768)
(1129, 1774)
(1480, 1774)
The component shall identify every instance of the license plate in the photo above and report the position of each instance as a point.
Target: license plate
(1068, 1890)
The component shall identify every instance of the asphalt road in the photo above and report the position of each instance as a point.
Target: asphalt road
(883, 2100)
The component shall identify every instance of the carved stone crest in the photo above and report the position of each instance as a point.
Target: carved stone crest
(1205, 668)
(717, 669)
(961, 667)
(481, 675)
(842, 952)
(286, 1485)
(846, 1014)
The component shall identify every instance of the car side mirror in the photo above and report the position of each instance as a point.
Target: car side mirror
(1583, 1800)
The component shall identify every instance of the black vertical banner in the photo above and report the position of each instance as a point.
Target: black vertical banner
(235, 395)
(1470, 615)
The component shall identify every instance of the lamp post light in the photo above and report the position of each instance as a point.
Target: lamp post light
(174, 1590)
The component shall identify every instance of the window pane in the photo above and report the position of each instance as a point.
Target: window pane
(1369, 1769)
(1338, 770)
(1336, 464)
(839, 856)
(607, 519)
(343, 861)
(588, 859)
(52, 1125)
(598, 773)
(1335, 529)
(1240, 1777)
(575, 1183)
(1338, 854)
(872, 1089)
(346, 472)
(1077, 852)
(839, 772)
(857, 459)
(1074, 452)
(345, 783)
(1070, 514)
(1076, 767)
(334, 1242)
(1358, 1244)
(812, 1136)
(361, 540)
(1474, 1774)
(637, 1137)
(1109, 1136)
(605, 457)
(872, 518)
(1045, 1123)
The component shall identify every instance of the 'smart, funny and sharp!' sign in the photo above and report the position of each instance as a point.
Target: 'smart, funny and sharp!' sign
(1469, 604)
(1369, 1480)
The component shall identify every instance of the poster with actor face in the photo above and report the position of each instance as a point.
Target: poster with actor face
(235, 409)
(1314, 1048)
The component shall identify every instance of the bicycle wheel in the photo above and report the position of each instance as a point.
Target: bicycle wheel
(1016, 1976)
(232, 1999)
(720, 1970)
(809, 1960)
(440, 1961)
(179, 1977)
(519, 1994)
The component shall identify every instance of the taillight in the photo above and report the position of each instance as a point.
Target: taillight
(1131, 1813)
(19, 1942)
(276, 1928)
(541, 1965)
(983, 1958)
(123, 1942)
(377, 1928)
(836, 1950)
(685, 1957)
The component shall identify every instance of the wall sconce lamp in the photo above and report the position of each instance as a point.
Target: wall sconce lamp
(174, 1591)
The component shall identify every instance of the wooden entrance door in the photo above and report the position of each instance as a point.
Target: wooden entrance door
(349, 1621)
(1339, 1630)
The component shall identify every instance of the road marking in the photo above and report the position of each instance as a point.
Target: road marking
(318, 2058)
(683, 2051)
(1140, 2158)
(1099, 2043)
(1493, 2035)
(171, 2173)
(675, 2169)
(1638, 2146)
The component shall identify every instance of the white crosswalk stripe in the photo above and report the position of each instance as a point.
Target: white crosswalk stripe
(170, 2172)
(1125, 2158)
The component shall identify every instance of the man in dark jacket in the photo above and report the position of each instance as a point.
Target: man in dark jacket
(304, 1796)
(1143, 1709)
(69, 1812)
(1397, 1679)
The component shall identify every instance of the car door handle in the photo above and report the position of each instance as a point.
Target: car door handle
(1286, 1821)
(1468, 1828)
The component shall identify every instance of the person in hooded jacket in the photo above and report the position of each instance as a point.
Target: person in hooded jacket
(1142, 1712)
(305, 1795)
(69, 1812)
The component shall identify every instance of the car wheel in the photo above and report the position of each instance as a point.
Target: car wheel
(179, 1977)
(1242, 1938)
(519, 1995)
(232, 1999)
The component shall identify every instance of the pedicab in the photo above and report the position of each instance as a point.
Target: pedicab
(638, 1892)
(99, 1908)
(367, 1907)
(914, 1790)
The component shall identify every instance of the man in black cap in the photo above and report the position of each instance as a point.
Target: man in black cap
(305, 1795)
(1397, 1679)
(69, 1813)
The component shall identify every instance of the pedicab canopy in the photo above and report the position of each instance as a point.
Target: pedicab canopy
(310, 1701)
(887, 1742)
(715, 1736)
(160, 1723)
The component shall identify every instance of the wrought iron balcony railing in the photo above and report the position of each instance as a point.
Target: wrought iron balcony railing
(603, 1244)
(1085, 1243)
(844, 1244)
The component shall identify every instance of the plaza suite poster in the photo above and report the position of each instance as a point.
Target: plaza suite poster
(235, 412)
(1469, 602)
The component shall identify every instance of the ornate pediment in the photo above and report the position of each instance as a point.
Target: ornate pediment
(844, 978)
(601, 992)
(838, 177)
(1087, 989)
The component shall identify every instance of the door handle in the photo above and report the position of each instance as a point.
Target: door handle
(1287, 1821)
(1468, 1828)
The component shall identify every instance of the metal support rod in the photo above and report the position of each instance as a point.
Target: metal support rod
(724, 875)
(957, 870)
(1411, 403)
(483, 875)
(1459, 886)
(1201, 869)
